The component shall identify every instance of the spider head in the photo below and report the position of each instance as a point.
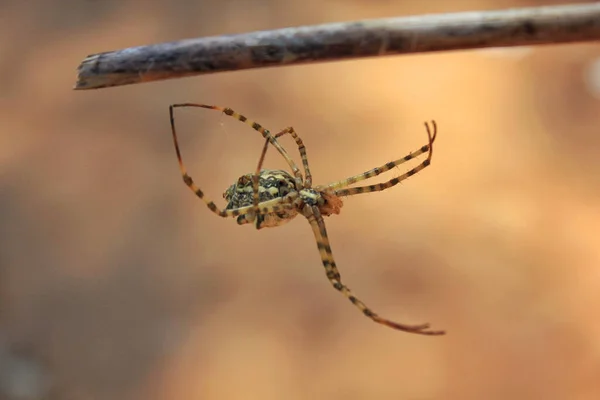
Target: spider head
(327, 202)
(332, 203)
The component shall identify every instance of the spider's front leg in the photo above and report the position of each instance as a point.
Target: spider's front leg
(318, 226)
(428, 148)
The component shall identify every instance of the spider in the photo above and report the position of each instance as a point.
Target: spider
(269, 198)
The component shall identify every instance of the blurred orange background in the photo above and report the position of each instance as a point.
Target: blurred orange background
(117, 283)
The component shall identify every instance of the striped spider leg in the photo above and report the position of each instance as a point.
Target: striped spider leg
(271, 206)
(271, 198)
(338, 187)
(257, 173)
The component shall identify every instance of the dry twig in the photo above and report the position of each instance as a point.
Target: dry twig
(341, 41)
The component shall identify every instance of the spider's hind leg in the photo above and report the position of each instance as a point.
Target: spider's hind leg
(257, 127)
(303, 155)
(274, 205)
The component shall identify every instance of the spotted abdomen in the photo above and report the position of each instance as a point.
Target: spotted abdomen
(272, 184)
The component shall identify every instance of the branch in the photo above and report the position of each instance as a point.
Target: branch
(341, 41)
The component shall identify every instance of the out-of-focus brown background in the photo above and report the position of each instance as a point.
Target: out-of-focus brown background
(117, 283)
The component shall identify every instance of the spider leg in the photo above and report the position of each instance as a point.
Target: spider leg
(303, 156)
(274, 205)
(255, 190)
(318, 227)
(257, 127)
(302, 150)
(265, 212)
(394, 181)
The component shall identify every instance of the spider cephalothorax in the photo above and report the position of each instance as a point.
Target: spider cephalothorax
(270, 198)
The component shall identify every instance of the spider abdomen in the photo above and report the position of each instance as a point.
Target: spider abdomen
(272, 184)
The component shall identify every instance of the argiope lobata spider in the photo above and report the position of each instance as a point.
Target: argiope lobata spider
(271, 198)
